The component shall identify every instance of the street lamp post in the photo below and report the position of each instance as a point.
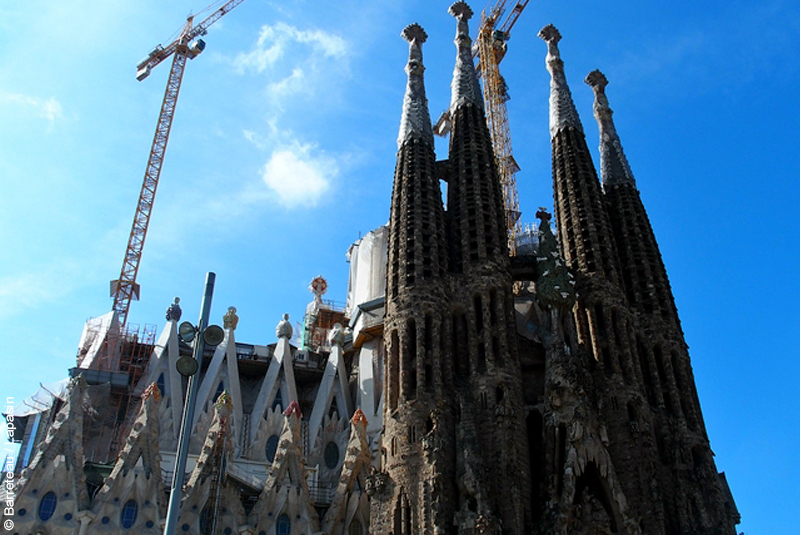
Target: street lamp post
(190, 366)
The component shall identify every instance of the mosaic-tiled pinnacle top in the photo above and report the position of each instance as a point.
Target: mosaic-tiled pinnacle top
(464, 87)
(416, 121)
(614, 166)
(562, 110)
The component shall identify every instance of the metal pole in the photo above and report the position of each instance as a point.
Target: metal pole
(176, 489)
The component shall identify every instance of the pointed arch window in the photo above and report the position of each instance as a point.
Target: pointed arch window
(47, 506)
(355, 528)
(334, 408)
(160, 384)
(331, 455)
(284, 525)
(272, 447)
(129, 513)
(278, 401)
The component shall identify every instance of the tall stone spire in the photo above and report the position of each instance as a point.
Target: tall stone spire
(583, 226)
(474, 197)
(465, 87)
(562, 109)
(416, 120)
(644, 275)
(614, 166)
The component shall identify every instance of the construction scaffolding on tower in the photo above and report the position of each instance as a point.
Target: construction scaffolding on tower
(112, 363)
(490, 47)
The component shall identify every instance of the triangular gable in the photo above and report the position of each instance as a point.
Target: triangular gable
(350, 501)
(223, 370)
(133, 494)
(281, 362)
(209, 496)
(53, 487)
(286, 489)
(333, 386)
(163, 370)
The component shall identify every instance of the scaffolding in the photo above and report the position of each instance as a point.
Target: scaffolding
(116, 359)
(491, 47)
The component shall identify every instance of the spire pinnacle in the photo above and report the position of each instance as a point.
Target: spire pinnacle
(613, 163)
(562, 110)
(464, 87)
(415, 121)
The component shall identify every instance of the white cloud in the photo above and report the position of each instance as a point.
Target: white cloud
(299, 174)
(292, 84)
(274, 41)
(49, 109)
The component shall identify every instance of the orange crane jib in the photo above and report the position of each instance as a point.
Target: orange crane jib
(125, 289)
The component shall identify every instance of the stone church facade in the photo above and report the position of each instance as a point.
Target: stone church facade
(460, 391)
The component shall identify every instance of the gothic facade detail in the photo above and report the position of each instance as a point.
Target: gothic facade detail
(458, 392)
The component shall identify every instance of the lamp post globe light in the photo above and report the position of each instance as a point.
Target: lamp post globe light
(211, 335)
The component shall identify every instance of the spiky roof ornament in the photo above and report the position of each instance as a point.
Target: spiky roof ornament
(416, 120)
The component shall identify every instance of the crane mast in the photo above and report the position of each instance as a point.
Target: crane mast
(125, 289)
(490, 47)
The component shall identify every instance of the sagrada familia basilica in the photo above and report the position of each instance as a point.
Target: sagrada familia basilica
(460, 391)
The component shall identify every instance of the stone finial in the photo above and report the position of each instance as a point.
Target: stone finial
(551, 36)
(414, 32)
(293, 408)
(318, 286)
(174, 311)
(230, 320)
(460, 10)
(153, 391)
(613, 163)
(543, 215)
(284, 328)
(224, 402)
(562, 109)
(465, 88)
(415, 121)
(597, 80)
(358, 417)
(336, 335)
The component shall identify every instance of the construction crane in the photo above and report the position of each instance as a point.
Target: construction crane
(187, 45)
(490, 47)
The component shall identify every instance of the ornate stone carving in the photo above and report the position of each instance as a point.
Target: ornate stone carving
(376, 483)
(174, 311)
(230, 320)
(152, 390)
(465, 87)
(336, 335)
(416, 120)
(284, 328)
(613, 163)
(293, 408)
(224, 402)
(358, 417)
(555, 287)
(562, 109)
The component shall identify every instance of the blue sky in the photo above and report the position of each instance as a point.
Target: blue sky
(282, 154)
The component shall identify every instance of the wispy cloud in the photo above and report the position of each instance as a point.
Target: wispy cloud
(275, 41)
(49, 109)
(291, 85)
